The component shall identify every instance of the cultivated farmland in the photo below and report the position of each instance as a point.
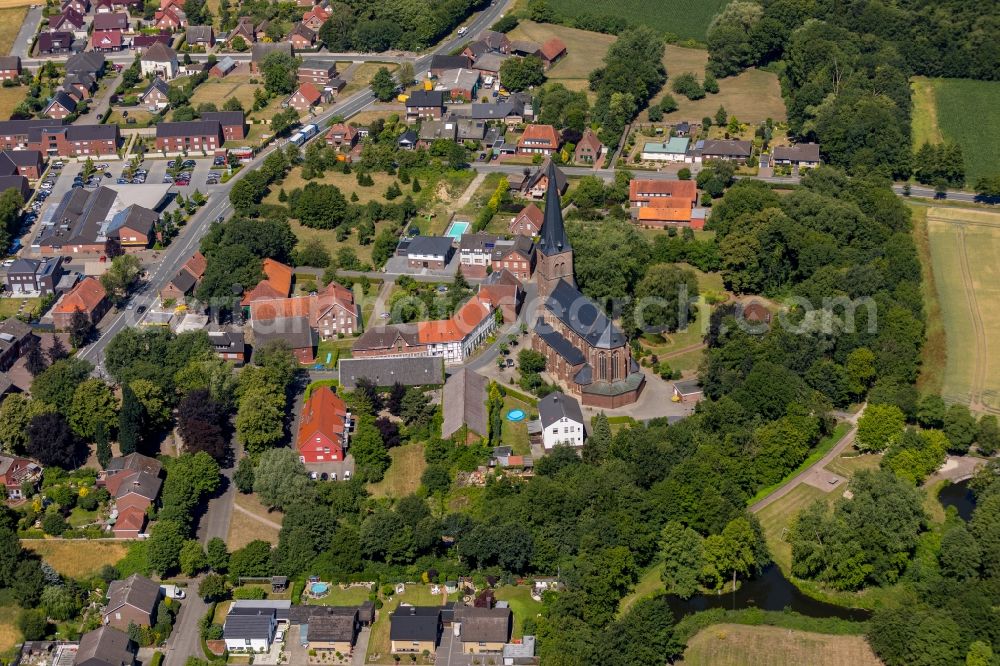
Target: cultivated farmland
(965, 256)
(687, 20)
(739, 645)
(964, 111)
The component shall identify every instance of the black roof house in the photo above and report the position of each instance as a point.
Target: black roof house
(415, 623)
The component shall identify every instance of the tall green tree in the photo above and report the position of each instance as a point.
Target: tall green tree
(682, 559)
(130, 420)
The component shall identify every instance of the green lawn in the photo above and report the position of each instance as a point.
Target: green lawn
(337, 349)
(966, 112)
(850, 463)
(338, 596)
(521, 604)
(403, 475)
(378, 643)
(515, 435)
(649, 584)
(820, 450)
(10, 307)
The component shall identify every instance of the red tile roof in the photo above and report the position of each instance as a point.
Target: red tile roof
(196, 265)
(667, 190)
(85, 296)
(309, 93)
(324, 413)
(552, 49)
(540, 133)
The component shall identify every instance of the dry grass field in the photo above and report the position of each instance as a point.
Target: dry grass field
(741, 645)
(11, 18)
(10, 98)
(584, 51)
(9, 634)
(403, 476)
(924, 124)
(77, 558)
(217, 91)
(753, 96)
(965, 256)
(245, 528)
(362, 75)
(779, 516)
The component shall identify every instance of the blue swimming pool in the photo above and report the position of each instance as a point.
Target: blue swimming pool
(516, 415)
(319, 588)
(457, 228)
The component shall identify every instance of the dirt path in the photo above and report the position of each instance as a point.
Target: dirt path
(263, 521)
(683, 350)
(801, 477)
(466, 197)
(982, 352)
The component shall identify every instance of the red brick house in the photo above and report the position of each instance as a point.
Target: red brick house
(76, 140)
(315, 18)
(10, 67)
(88, 297)
(171, 19)
(277, 283)
(306, 97)
(294, 331)
(62, 106)
(244, 29)
(20, 476)
(134, 227)
(301, 37)
(589, 149)
(229, 345)
(528, 222)
(392, 340)
(516, 256)
(27, 163)
(538, 140)
(425, 104)
(131, 601)
(323, 428)
(317, 72)
(342, 136)
(107, 40)
(203, 135)
(234, 124)
(186, 280)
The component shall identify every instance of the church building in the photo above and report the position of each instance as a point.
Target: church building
(583, 348)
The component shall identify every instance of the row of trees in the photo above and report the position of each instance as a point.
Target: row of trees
(396, 24)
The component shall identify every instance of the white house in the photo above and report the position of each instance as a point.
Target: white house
(674, 149)
(251, 625)
(159, 60)
(562, 420)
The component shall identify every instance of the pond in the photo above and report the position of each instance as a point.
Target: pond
(770, 591)
(959, 496)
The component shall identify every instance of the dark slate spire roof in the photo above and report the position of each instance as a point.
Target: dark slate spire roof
(554, 240)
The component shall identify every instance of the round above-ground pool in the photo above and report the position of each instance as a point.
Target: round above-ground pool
(516, 415)
(319, 588)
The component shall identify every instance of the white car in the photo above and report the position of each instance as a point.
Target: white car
(347, 475)
(172, 592)
(463, 30)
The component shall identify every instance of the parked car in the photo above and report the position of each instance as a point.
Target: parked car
(122, 181)
(347, 475)
(171, 164)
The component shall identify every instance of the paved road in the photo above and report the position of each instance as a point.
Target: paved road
(931, 193)
(798, 479)
(605, 174)
(27, 33)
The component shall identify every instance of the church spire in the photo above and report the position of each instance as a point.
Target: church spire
(554, 240)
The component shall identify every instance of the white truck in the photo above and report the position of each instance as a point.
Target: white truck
(172, 592)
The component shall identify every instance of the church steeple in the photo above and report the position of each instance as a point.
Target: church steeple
(553, 240)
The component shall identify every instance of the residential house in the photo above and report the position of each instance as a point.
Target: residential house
(15, 337)
(107, 40)
(127, 465)
(79, 6)
(528, 222)
(189, 135)
(200, 35)
(440, 63)
(682, 128)
(464, 404)
(61, 106)
(551, 51)
(323, 427)
(470, 129)
(425, 104)
(317, 72)
(80, 85)
(76, 140)
(408, 371)
(510, 112)
(333, 633)
(70, 21)
(222, 68)
(172, 18)
(415, 629)
(234, 124)
(27, 163)
(562, 421)
(134, 227)
(460, 84)
(86, 63)
(116, 21)
(674, 149)
(53, 43)
(250, 628)
(538, 140)
(315, 17)
(296, 332)
(659, 203)
(19, 476)
(331, 312)
(19, 183)
(155, 97)
(455, 339)
(433, 252)
(133, 492)
(159, 60)
(537, 183)
(34, 276)
(10, 67)
(228, 344)
(260, 51)
(504, 291)
(186, 280)
(142, 42)
(306, 97)
(302, 37)
(131, 601)
(589, 148)
(244, 30)
(475, 252)
(88, 297)
(408, 140)
(105, 646)
(434, 130)
(342, 136)
(802, 155)
(483, 630)
(390, 340)
(721, 149)
(516, 256)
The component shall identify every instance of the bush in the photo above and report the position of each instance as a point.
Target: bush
(54, 524)
(684, 174)
(686, 84)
